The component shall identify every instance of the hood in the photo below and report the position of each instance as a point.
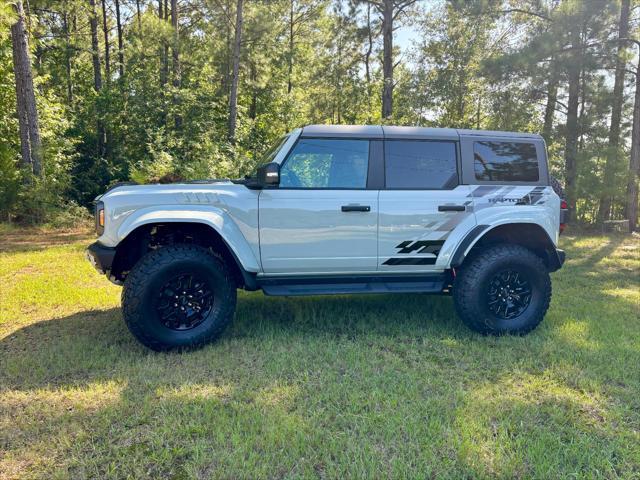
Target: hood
(133, 187)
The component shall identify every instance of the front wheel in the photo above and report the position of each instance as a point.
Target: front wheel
(178, 296)
(506, 289)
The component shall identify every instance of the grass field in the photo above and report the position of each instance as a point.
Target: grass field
(325, 387)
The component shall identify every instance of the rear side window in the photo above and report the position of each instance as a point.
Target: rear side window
(326, 163)
(418, 164)
(505, 161)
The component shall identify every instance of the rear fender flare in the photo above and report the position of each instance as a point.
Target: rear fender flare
(553, 259)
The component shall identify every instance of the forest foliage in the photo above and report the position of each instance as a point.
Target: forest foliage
(147, 90)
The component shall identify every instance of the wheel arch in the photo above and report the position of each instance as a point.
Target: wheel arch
(155, 233)
(527, 234)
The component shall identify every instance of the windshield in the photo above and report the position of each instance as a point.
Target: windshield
(271, 153)
(268, 156)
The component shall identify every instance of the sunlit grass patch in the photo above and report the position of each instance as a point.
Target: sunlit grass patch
(380, 386)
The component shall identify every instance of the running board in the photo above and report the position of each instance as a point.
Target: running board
(296, 286)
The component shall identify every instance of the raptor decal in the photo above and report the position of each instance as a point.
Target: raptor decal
(488, 196)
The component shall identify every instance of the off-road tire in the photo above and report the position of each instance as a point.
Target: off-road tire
(145, 281)
(472, 284)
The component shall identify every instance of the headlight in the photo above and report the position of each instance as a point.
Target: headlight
(100, 218)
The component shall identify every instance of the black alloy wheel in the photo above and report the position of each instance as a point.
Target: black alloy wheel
(184, 302)
(508, 294)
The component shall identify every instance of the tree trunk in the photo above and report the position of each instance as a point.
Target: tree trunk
(571, 147)
(387, 61)
(233, 96)
(226, 79)
(97, 74)
(67, 57)
(634, 161)
(367, 61)
(552, 97)
(176, 73)
(138, 15)
(367, 55)
(95, 48)
(164, 63)
(291, 47)
(30, 143)
(616, 116)
(120, 49)
(253, 106)
(105, 30)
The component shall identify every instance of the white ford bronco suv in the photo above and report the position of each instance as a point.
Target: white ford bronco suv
(341, 210)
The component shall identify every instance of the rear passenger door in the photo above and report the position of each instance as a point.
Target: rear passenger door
(421, 204)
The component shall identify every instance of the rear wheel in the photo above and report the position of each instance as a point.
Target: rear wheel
(506, 289)
(178, 296)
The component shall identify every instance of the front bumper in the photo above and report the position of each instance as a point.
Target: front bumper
(101, 257)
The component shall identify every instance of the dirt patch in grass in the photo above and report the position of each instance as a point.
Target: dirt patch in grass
(24, 239)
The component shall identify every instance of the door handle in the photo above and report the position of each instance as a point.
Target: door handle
(355, 208)
(451, 208)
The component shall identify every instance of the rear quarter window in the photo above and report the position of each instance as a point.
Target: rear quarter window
(420, 164)
(499, 161)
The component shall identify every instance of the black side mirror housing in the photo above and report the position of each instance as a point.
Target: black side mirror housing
(269, 175)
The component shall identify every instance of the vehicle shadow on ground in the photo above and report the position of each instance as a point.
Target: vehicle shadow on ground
(86, 372)
(96, 345)
(57, 351)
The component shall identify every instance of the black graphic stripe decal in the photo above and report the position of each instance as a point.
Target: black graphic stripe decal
(411, 261)
(431, 247)
(421, 246)
(483, 190)
(536, 195)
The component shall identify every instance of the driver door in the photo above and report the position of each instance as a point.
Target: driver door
(321, 218)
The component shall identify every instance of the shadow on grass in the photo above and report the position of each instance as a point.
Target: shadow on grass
(587, 255)
(86, 344)
(332, 382)
(324, 379)
(97, 344)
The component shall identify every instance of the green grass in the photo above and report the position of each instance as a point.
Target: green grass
(325, 387)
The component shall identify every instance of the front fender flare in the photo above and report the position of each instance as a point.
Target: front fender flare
(214, 217)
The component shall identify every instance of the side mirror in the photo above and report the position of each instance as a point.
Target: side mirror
(269, 174)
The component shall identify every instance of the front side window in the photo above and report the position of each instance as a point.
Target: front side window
(326, 163)
(505, 161)
(420, 164)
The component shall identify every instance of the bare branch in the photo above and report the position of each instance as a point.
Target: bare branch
(402, 6)
(526, 12)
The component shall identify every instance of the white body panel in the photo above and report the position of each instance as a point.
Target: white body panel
(305, 231)
(230, 209)
(509, 204)
(413, 234)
